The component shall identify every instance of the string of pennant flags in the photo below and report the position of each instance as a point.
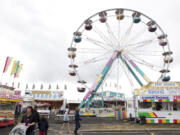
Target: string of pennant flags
(16, 69)
(34, 86)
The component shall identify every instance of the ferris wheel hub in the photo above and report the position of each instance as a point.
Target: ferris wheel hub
(119, 51)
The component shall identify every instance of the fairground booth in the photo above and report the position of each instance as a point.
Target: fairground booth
(8, 100)
(159, 102)
(109, 99)
(52, 97)
(106, 104)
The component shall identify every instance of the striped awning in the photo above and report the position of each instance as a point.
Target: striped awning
(160, 100)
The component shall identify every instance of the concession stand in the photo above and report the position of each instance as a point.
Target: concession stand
(159, 102)
(51, 97)
(8, 100)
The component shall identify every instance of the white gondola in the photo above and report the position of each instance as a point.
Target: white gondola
(72, 55)
(168, 60)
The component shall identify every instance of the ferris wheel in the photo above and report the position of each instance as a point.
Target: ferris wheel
(118, 43)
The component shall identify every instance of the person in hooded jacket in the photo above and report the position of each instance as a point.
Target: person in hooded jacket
(77, 119)
(36, 115)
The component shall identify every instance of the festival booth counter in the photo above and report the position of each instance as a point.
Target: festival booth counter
(117, 113)
(97, 112)
(113, 104)
(43, 109)
(8, 100)
(51, 97)
(159, 102)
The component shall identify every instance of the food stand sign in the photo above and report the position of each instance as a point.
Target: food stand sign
(155, 97)
(160, 88)
(7, 95)
(160, 92)
(166, 112)
(47, 95)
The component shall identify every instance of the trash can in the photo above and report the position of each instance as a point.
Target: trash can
(142, 120)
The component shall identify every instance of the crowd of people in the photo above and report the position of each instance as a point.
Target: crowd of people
(33, 120)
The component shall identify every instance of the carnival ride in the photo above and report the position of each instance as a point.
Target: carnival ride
(132, 41)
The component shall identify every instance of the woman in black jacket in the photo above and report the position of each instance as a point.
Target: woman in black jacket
(29, 120)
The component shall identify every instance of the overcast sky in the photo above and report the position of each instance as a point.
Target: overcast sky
(38, 32)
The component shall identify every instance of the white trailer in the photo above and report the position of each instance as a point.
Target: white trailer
(159, 102)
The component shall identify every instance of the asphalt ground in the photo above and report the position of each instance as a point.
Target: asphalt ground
(135, 133)
(93, 124)
(5, 131)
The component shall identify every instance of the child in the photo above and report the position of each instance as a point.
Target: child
(43, 126)
(65, 121)
(77, 123)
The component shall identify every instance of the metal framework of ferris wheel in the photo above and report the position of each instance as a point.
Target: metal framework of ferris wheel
(133, 43)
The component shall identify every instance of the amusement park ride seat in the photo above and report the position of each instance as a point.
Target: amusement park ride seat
(166, 78)
(81, 89)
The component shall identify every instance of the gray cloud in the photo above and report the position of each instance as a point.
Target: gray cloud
(40, 31)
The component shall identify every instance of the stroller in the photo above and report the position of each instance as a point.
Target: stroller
(20, 129)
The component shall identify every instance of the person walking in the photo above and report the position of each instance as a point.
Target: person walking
(29, 120)
(65, 121)
(17, 112)
(36, 115)
(50, 108)
(43, 126)
(77, 123)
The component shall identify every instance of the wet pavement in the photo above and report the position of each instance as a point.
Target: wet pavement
(136, 133)
(6, 130)
(95, 124)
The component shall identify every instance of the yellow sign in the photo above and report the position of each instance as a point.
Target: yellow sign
(41, 92)
(10, 100)
(160, 88)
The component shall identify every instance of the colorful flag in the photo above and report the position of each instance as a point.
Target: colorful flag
(18, 85)
(17, 68)
(13, 84)
(115, 85)
(13, 70)
(65, 87)
(57, 87)
(49, 86)
(7, 59)
(17, 74)
(41, 86)
(7, 63)
(33, 87)
(26, 86)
